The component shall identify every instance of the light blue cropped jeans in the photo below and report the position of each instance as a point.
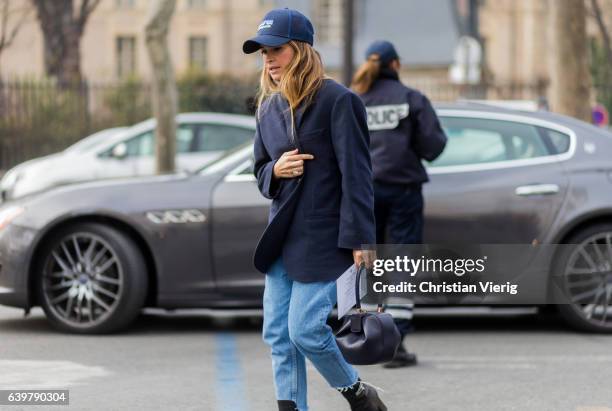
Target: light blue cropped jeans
(295, 328)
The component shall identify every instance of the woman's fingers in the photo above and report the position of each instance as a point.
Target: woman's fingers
(369, 256)
(294, 164)
(294, 157)
(291, 164)
(289, 153)
(357, 257)
(364, 256)
(292, 171)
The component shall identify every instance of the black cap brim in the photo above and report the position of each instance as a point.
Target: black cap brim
(257, 42)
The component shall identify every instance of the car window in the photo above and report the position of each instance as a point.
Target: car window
(559, 141)
(478, 141)
(143, 145)
(219, 137)
(93, 140)
(526, 143)
(184, 138)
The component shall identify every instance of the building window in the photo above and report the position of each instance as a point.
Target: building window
(196, 4)
(126, 55)
(125, 4)
(198, 52)
(328, 17)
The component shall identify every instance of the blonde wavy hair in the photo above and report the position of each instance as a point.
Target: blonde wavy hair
(366, 74)
(301, 80)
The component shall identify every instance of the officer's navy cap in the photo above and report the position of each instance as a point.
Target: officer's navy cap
(278, 27)
(385, 51)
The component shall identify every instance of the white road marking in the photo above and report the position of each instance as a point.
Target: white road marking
(28, 374)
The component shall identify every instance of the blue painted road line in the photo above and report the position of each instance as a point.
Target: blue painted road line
(230, 392)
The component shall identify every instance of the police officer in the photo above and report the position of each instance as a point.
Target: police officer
(404, 129)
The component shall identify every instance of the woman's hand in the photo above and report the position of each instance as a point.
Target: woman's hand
(291, 164)
(364, 256)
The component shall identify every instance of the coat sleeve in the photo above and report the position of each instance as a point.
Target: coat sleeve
(264, 168)
(429, 138)
(351, 141)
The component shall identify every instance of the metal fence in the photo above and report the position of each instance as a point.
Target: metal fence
(38, 117)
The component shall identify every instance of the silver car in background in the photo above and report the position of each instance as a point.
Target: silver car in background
(129, 152)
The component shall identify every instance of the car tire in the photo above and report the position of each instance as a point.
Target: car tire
(574, 288)
(92, 279)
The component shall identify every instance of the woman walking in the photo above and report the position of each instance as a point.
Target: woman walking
(405, 130)
(312, 160)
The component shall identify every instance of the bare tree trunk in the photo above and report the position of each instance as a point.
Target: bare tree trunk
(62, 31)
(571, 79)
(164, 85)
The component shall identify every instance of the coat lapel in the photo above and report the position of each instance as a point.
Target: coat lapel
(298, 118)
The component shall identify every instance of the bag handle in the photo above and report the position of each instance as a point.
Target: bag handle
(362, 269)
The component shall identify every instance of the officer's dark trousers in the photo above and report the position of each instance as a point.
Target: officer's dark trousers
(399, 220)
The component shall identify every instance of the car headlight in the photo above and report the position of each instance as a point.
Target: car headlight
(8, 183)
(8, 214)
(9, 180)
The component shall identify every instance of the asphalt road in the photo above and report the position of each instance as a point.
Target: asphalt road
(195, 362)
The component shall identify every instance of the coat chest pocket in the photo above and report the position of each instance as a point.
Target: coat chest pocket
(319, 144)
(309, 135)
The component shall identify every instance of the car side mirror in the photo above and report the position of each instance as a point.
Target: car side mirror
(120, 151)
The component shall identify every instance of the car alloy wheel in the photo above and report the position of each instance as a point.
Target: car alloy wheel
(588, 279)
(83, 280)
(93, 278)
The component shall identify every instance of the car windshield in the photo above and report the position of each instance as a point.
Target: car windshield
(229, 157)
(93, 140)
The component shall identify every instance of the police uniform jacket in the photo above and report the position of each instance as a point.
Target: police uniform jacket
(317, 220)
(404, 129)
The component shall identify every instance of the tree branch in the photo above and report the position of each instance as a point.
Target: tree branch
(87, 7)
(605, 34)
(5, 13)
(42, 12)
(7, 40)
(17, 26)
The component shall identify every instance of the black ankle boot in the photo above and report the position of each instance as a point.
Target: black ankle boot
(286, 405)
(402, 358)
(363, 397)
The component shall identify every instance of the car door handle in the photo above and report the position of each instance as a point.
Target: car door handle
(536, 189)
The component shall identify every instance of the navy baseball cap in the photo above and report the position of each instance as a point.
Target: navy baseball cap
(385, 51)
(278, 27)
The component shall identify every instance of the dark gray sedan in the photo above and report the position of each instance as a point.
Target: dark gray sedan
(94, 254)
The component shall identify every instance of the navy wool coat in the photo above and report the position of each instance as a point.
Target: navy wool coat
(316, 220)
